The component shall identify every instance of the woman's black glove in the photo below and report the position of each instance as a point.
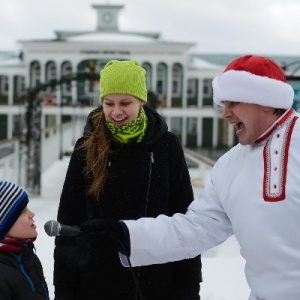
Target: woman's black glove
(103, 235)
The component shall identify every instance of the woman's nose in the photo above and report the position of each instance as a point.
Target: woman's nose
(117, 110)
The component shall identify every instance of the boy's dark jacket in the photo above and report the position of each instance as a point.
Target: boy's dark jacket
(21, 276)
(137, 186)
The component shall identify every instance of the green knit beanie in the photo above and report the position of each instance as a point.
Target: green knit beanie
(123, 77)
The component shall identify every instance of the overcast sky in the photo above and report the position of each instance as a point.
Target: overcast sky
(215, 26)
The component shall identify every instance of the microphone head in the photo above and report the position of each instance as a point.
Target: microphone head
(52, 228)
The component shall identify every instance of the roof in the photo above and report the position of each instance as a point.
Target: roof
(200, 63)
(110, 37)
(225, 59)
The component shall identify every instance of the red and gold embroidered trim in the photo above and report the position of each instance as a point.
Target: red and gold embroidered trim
(275, 161)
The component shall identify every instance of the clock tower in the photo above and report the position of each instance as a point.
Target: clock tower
(107, 22)
(107, 17)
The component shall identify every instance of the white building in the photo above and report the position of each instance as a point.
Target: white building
(181, 80)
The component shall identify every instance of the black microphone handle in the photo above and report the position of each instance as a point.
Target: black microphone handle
(66, 230)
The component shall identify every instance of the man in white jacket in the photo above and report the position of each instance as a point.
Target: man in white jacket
(254, 191)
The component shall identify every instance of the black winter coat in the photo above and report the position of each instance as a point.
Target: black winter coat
(145, 179)
(21, 276)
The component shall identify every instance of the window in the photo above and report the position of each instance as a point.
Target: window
(176, 125)
(35, 74)
(192, 87)
(20, 83)
(175, 87)
(51, 71)
(19, 89)
(148, 69)
(176, 80)
(4, 85)
(161, 80)
(207, 87)
(66, 70)
(192, 125)
(159, 86)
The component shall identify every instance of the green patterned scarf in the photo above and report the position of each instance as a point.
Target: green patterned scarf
(134, 130)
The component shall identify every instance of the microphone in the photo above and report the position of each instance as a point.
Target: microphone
(54, 228)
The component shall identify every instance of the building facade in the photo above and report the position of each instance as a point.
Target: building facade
(180, 80)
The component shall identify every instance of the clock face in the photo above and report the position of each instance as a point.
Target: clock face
(107, 17)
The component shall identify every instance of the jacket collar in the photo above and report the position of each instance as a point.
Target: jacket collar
(280, 122)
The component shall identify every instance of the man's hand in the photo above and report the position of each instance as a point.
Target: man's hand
(103, 235)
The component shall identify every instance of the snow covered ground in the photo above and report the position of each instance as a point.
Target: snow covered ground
(223, 267)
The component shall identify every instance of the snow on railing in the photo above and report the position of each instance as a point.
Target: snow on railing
(9, 161)
(202, 172)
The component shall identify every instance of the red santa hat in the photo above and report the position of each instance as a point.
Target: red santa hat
(253, 79)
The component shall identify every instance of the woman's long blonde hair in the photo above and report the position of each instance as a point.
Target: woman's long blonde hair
(97, 148)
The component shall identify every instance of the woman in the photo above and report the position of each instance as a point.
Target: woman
(21, 276)
(127, 165)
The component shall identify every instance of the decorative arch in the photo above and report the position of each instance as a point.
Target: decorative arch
(34, 98)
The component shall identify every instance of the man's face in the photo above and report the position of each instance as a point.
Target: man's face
(249, 120)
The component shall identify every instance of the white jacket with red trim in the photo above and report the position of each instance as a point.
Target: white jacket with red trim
(254, 193)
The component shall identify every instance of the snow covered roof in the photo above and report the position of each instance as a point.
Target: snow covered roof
(62, 35)
(110, 37)
(7, 54)
(11, 62)
(200, 63)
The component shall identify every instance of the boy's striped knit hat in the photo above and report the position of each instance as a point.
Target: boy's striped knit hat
(13, 200)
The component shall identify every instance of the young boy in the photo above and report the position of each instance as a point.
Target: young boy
(21, 275)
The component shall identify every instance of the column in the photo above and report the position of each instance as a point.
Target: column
(199, 131)
(230, 135)
(184, 88)
(215, 132)
(10, 90)
(169, 86)
(154, 78)
(184, 130)
(200, 92)
(42, 72)
(9, 126)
